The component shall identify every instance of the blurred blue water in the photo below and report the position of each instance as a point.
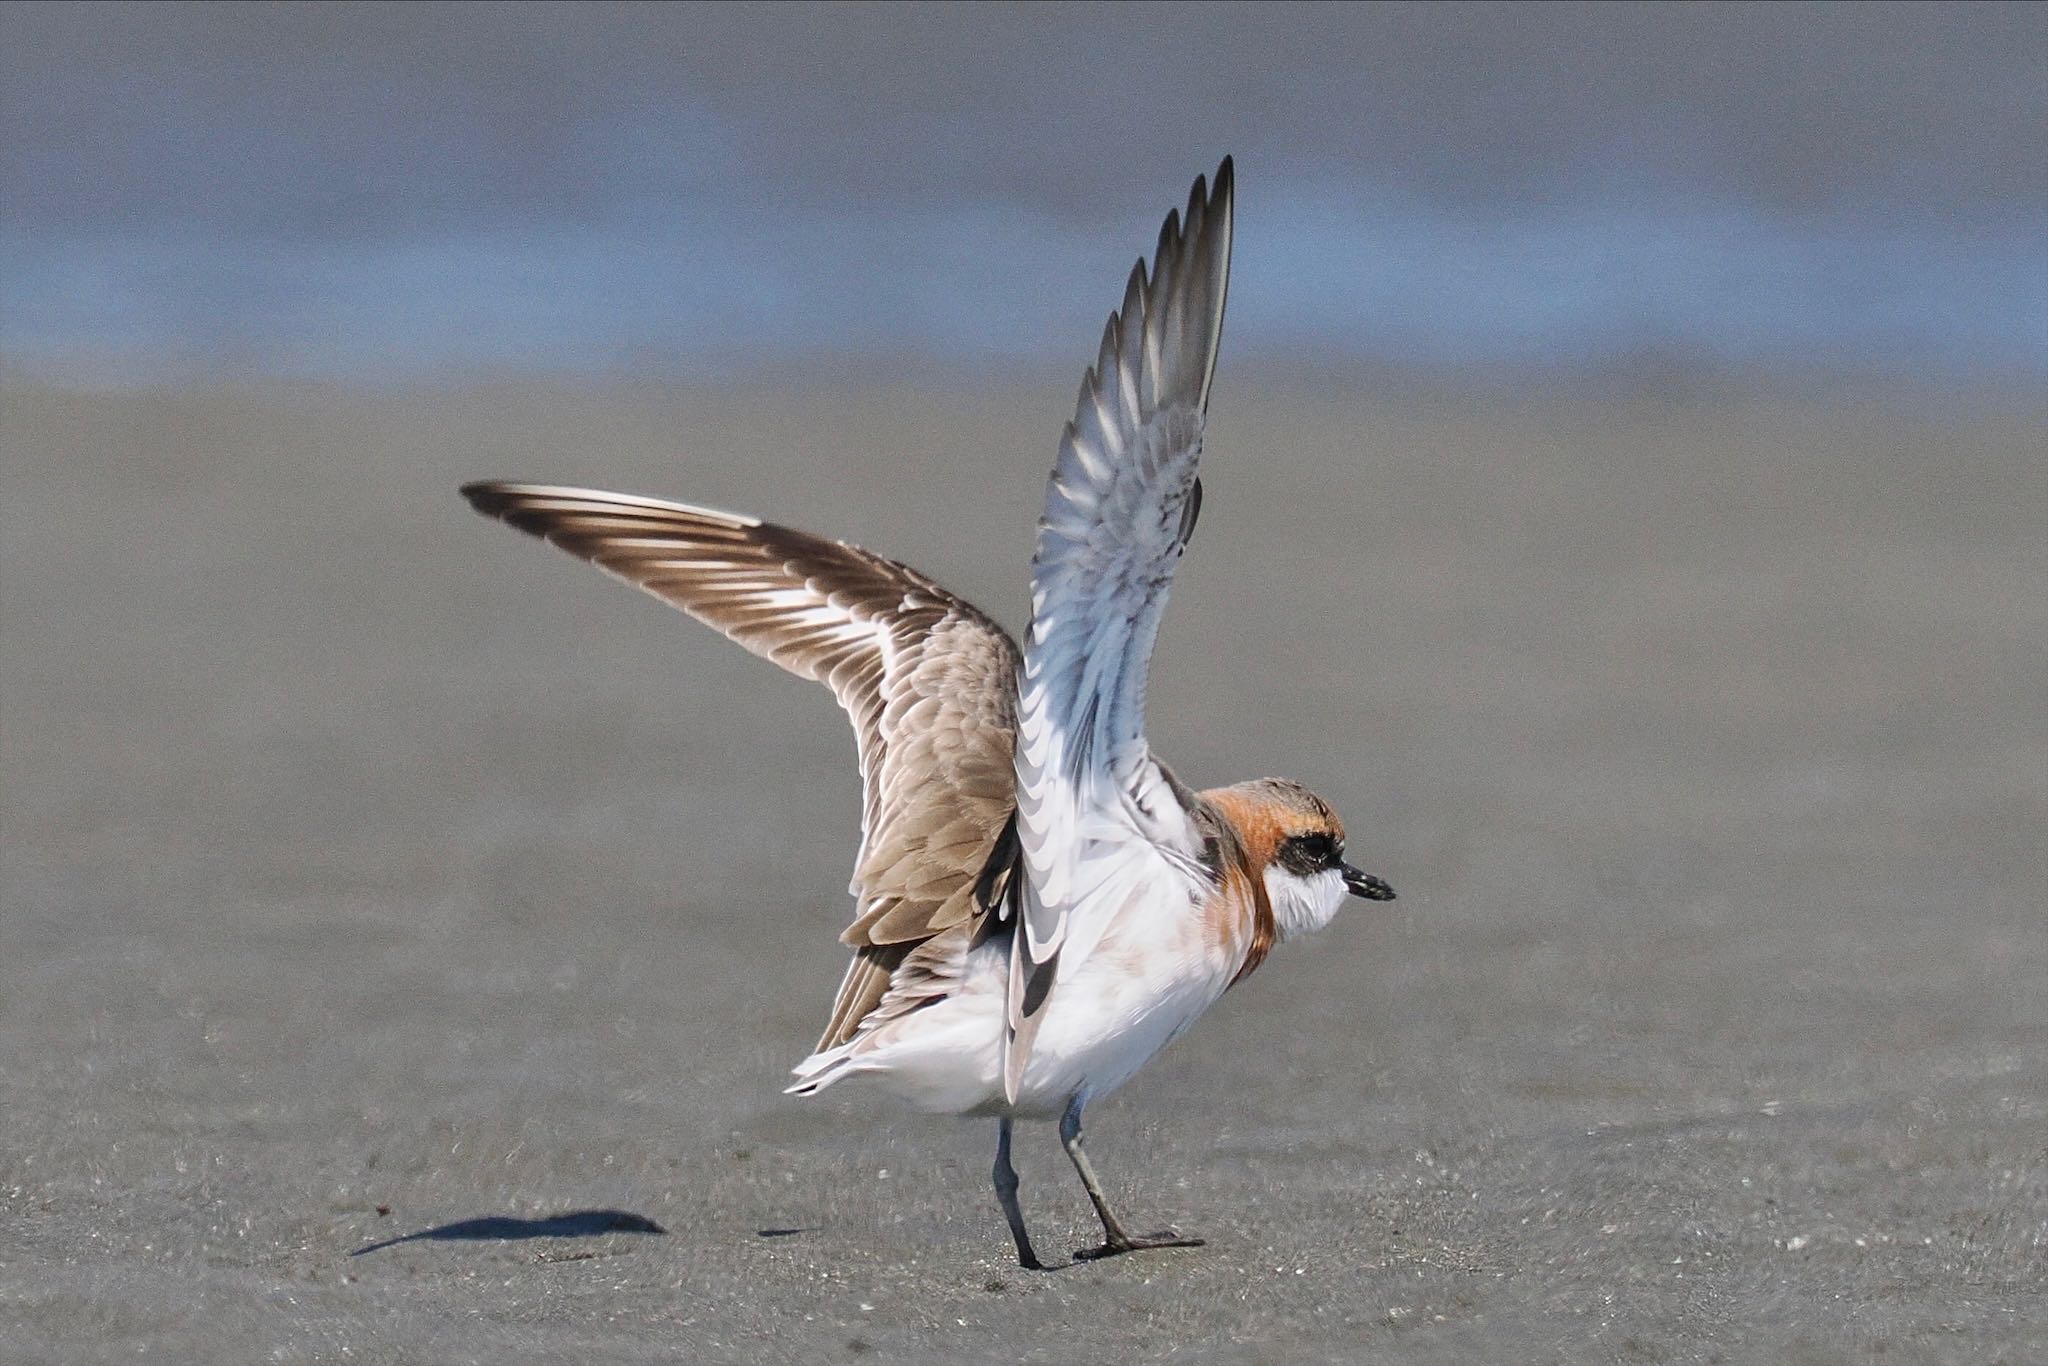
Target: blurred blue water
(385, 195)
(712, 290)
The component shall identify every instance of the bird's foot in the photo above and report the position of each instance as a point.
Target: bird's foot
(1117, 1246)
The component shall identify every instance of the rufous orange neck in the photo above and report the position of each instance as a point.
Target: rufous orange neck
(1253, 835)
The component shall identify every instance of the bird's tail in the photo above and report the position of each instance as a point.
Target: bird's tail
(822, 1068)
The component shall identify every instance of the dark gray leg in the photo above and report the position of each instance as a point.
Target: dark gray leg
(1006, 1191)
(1115, 1240)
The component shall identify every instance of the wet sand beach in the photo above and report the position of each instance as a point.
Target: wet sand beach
(407, 930)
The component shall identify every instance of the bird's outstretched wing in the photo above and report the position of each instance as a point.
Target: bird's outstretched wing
(1092, 804)
(928, 681)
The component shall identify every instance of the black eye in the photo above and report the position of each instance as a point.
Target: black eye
(1307, 854)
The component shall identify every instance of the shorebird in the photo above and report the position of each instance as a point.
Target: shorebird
(1041, 904)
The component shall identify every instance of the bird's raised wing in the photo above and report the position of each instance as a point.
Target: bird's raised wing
(1118, 512)
(928, 681)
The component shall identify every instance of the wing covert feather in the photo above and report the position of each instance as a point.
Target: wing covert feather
(928, 681)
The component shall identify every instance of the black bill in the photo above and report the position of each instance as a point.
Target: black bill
(1366, 885)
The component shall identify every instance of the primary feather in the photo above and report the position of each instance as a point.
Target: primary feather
(928, 681)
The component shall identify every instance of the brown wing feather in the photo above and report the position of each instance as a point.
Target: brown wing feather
(928, 681)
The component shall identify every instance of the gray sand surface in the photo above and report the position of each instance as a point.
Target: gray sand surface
(363, 856)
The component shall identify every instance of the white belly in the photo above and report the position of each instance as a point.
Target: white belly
(1136, 988)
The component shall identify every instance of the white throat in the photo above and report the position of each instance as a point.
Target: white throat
(1302, 904)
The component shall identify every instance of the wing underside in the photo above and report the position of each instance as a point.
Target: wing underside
(1092, 804)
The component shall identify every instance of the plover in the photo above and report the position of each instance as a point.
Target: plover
(1041, 904)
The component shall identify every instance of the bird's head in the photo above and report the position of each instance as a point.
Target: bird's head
(1296, 842)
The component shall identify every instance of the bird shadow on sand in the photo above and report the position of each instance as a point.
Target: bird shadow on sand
(582, 1223)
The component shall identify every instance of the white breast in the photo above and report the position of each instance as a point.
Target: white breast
(1304, 904)
(1121, 995)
